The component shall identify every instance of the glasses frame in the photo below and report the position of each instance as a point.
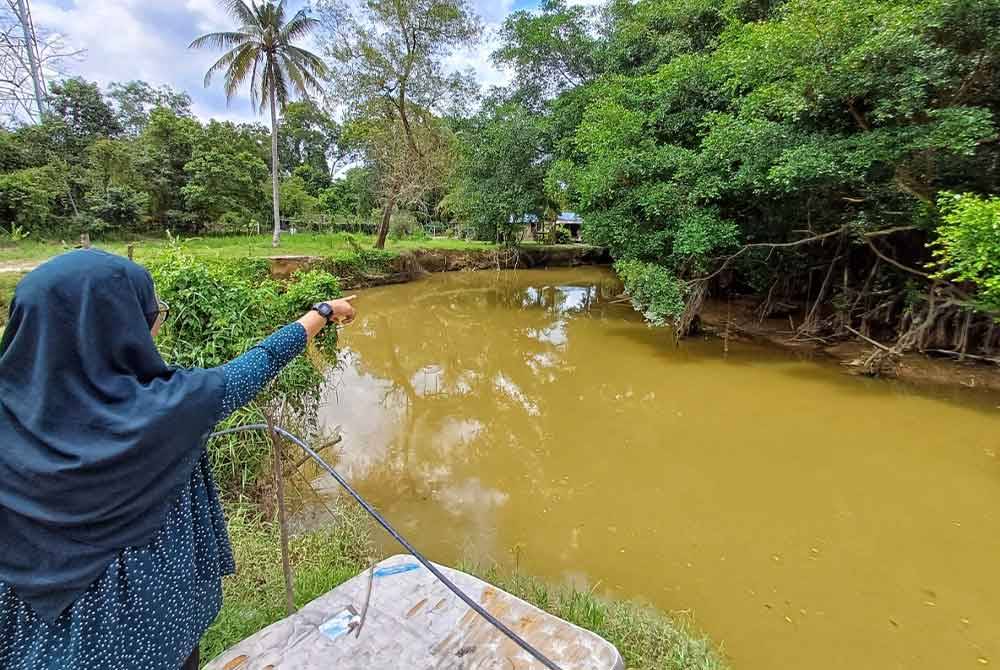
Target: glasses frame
(163, 312)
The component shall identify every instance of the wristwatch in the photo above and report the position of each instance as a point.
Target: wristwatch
(324, 310)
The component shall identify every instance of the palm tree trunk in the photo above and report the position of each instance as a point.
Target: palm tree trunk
(275, 176)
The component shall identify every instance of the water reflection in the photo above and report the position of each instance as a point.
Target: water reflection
(793, 509)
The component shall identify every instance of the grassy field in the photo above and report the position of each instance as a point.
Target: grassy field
(28, 252)
(17, 258)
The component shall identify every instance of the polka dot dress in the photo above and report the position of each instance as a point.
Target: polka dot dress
(153, 603)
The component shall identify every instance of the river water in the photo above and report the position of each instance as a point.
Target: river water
(807, 519)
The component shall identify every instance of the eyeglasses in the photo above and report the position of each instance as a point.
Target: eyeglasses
(163, 311)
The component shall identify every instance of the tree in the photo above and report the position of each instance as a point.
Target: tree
(263, 52)
(85, 112)
(225, 183)
(400, 177)
(500, 181)
(165, 148)
(551, 49)
(389, 65)
(29, 198)
(310, 138)
(134, 100)
(796, 149)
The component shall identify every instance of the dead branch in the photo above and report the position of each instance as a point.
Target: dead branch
(894, 262)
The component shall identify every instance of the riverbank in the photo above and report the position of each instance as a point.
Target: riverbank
(368, 269)
(737, 319)
(324, 559)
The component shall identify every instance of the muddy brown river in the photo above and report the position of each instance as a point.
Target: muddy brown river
(805, 518)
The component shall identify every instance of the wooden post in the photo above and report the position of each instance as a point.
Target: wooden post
(279, 485)
(131, 252)
(85, 240)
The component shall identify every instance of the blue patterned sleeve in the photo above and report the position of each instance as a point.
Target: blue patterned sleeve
(248, 374)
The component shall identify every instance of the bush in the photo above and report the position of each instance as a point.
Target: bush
(405, 225)
(220, 309)
(968, 246)
(654, 290)
(561, 235)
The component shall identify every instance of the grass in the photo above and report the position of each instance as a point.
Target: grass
(233, 246)
(647, 638)
(8, 281)
(254, 597)
(338, 247)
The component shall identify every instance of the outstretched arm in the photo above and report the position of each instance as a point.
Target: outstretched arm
(247, 375)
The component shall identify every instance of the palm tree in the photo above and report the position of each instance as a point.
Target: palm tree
(262, 51)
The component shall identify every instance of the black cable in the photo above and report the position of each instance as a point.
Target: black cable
(499, 625)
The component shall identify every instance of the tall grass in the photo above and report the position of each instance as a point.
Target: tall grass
(647, 638)
(254, 597)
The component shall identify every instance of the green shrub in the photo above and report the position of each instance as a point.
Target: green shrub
(968, 245)
(654, 290)
(220, 309)
(560, 235)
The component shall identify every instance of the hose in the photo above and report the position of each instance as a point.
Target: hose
(496, 623)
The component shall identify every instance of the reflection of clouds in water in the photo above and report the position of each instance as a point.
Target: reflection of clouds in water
(370, 415)
(514, 392)
(456, 434)
(575, 298)
(554, 334)
(541, 362)
(471, 498)
(466, 382)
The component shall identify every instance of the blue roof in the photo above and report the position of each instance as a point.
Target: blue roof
(571, 217)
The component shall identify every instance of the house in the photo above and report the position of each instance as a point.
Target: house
(536, 228)
(572, 222)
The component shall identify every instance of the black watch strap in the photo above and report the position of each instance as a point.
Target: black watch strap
(324, 310)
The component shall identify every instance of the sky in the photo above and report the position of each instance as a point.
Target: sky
(148, 40)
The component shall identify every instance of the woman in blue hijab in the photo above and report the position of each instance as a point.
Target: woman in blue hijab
(112, 538)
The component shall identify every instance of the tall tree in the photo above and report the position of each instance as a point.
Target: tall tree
(263, 51)
(389, 63)
(134, 100)
(500, 182)
(309, 137)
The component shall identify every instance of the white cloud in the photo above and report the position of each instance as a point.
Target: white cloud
(148, 40)
(136, 39)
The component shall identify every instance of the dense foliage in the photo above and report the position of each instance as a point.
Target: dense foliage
(794, 149)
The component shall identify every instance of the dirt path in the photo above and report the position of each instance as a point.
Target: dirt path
(19, 267)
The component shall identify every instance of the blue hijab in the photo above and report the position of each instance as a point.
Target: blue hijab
(97, 433)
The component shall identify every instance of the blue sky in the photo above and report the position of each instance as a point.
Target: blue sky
(147, 39)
